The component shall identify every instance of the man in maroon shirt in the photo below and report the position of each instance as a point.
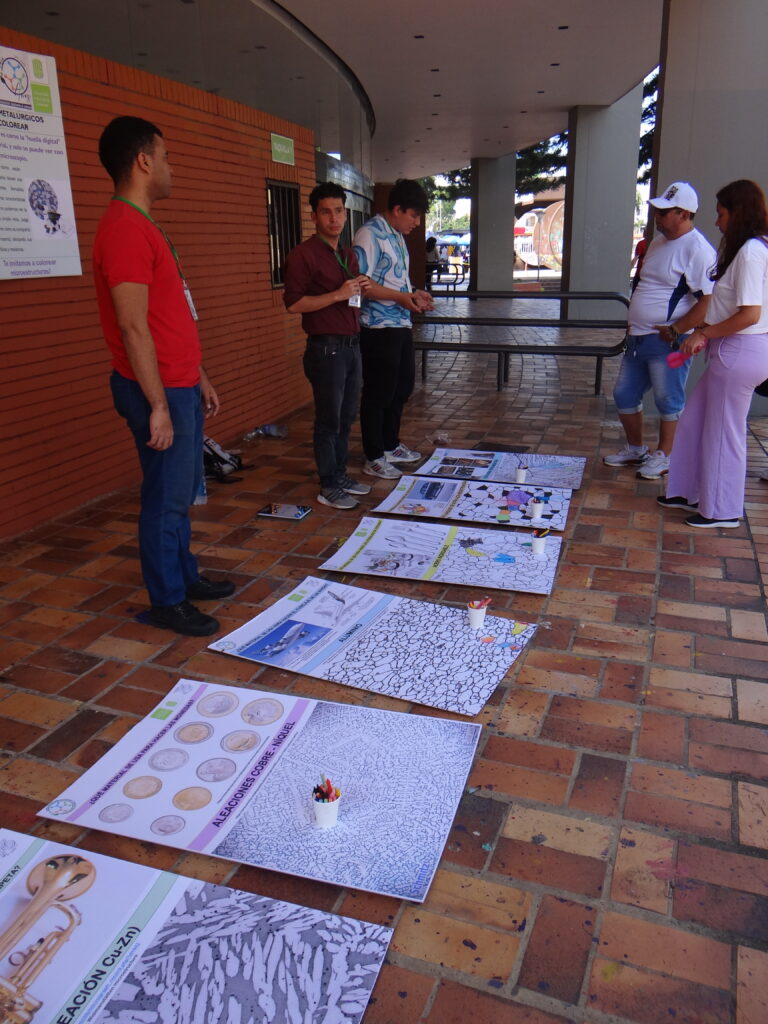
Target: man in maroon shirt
(323, 284)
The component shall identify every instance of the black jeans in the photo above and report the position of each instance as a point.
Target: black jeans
(389, 373)
(332, 366)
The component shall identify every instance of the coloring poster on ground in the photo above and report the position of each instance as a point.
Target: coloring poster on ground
(86, 939)
(413, 650)
(38, 237)
(229, 771)
(479, 502)
(542, 470)
(475, 556)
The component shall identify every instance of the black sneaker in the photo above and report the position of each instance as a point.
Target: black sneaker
(182, 618)
(204, 589)
(702, 523)
(682, 503)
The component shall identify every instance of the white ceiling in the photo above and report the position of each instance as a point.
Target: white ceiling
(508, 73)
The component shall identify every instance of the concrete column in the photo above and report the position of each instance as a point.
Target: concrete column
(492, 223)
(600, 202)
(711, 123)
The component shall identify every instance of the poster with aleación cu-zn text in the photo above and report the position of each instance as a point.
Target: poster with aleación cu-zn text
(38, 236)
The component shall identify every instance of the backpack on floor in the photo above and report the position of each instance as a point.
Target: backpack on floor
(217, 462)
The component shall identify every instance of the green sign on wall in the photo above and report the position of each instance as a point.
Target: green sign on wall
(282, 150)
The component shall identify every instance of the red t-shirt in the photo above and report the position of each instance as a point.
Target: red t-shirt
(312, 269)
(130, 248)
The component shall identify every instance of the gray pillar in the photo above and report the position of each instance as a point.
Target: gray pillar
(492, 222)
(711, 126)
(600, 202)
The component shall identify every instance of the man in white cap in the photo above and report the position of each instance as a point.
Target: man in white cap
(669, 300)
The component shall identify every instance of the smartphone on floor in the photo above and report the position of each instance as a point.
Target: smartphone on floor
(283, 511)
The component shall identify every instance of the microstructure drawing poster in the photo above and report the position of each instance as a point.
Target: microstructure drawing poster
(476, 556)
(542, 470)
(413, 650)
(38, 237)
(229, 771)
(128, 943)
(479, 502)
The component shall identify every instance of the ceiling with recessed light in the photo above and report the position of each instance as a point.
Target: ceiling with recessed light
(446, 81)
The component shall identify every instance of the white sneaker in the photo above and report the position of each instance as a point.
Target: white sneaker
(402, 454)
(630, 455)
(654, 467)
(382, 468)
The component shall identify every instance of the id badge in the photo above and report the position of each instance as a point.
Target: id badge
(190, 303)
(355, 300)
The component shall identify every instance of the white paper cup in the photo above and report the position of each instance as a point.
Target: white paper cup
(535, 510)
(538, 546)
(520, 474)
(326, 814)
(476, 617)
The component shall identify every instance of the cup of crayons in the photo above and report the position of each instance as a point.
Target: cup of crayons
(476, 612)
(536, 509)
(539, 543)
(325, 800)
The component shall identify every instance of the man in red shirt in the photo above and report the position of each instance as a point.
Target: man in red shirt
(158, 384)
(322, 283)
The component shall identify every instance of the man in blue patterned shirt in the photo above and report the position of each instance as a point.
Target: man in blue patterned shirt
(386, 340)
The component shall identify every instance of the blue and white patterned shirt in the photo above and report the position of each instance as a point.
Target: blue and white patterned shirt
(382, 255)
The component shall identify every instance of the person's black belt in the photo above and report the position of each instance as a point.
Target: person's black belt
(345, 340)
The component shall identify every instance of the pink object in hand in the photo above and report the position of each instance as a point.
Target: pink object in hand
(676, 359)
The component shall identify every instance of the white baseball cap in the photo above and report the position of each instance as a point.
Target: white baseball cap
(679, 194)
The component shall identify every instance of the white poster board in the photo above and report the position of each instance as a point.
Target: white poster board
(478, 502)
(229, 771)
(413, 650)
(542, 470)
(127, 942)
(475, 556)
(38, 236)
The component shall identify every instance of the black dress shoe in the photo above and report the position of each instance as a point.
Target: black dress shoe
(204, 589)
(182, 618)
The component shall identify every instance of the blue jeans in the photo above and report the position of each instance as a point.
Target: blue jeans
(171, 480)
(644, 366)
(332, 366)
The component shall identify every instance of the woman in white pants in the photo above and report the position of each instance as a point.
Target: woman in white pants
(708, 466)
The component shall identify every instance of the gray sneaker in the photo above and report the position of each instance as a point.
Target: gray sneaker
(630, 455)
(382, 468)
(654, 467)
(336, 498)
(346, 483)
(402, 454)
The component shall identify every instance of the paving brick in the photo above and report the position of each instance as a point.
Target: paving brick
(557, 952)
(643, 869)
(672, 648)
(753, 815)
(668, 950)
(751, 986)
(723, 867)
(457, 1004)
(727, 734)
(598, 785)
(690, 703)
(399, 996)
(530, 755)
(58, 744)
(469, 948)
(559, 832)
(693, 682)
(678, 815)
(46, 712)
(647, 778)
(649, 998)
(475, 827)
(622, 681)
(516, 781)
(662, 737)
(17, 736)
(593, 737)
(480, 902)
(523, 712)
(748, 626)
(546, 866)
(303, 891)
(752, 701)
(725, 910)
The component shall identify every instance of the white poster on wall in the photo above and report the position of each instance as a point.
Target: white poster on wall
(38, 236)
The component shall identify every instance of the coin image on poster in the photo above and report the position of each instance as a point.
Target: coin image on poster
(142, 786)
(169, 759)
(216, 769)
(240, 740)
(192, 798)
(193, 732)
(167, 824)
(115, 812)
(214, 705)
(262, 712)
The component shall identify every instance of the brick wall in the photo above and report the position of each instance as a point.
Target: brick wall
(62, 443)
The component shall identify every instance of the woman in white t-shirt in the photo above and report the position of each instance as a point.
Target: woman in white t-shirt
(709, 458)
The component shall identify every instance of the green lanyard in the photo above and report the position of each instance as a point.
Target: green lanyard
(121, 199)
(398, 242)
(344, 264)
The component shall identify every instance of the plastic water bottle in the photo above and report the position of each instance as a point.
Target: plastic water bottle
(268, 430)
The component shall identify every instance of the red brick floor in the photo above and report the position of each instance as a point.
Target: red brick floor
(609, 860)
